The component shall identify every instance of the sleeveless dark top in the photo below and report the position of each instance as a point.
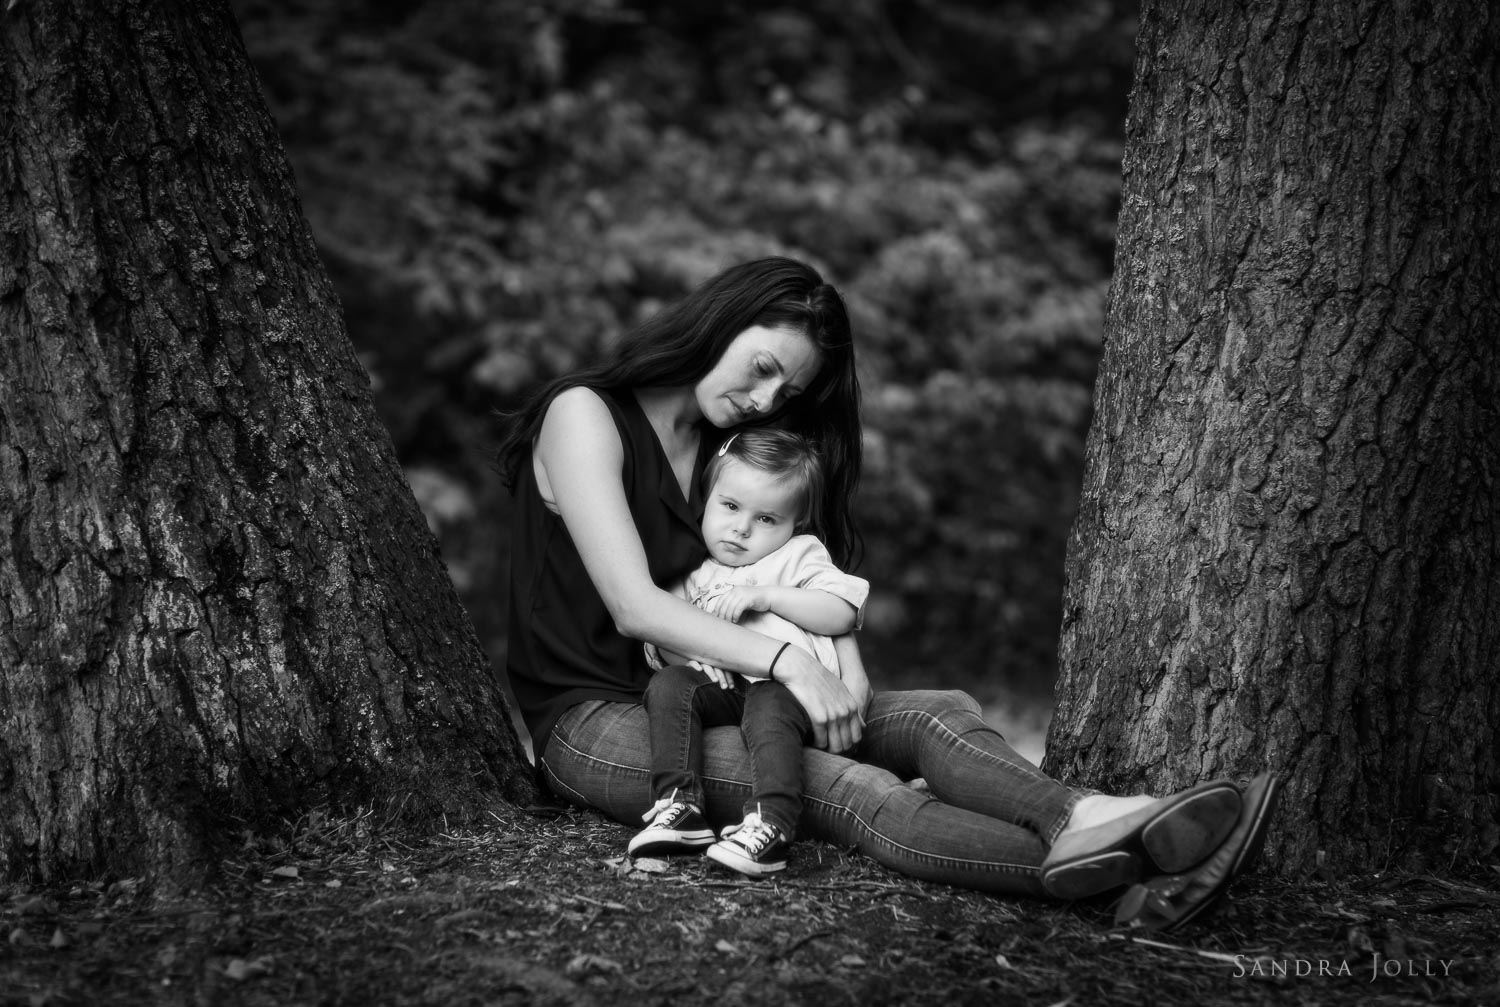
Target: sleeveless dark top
(563, 647)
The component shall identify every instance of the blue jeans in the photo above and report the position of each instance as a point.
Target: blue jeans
(682, 701)
(986, 824)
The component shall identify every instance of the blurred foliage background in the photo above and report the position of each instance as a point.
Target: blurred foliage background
(499, 188)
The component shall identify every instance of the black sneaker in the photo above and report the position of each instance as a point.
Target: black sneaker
(675, 827)
(754, 847)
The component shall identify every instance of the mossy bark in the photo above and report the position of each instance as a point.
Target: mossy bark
(219, 602)
(1288, 548)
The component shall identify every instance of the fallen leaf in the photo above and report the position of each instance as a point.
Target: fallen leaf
(285, 872)
(586, 963)
(59, 939)
(619, 866)
(335, 883)
(725, 947)
(1003, 962)
(239, 970)
(853, 961)
(652, 866)
(125, 886)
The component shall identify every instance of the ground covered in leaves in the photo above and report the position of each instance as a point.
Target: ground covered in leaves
(542, 908)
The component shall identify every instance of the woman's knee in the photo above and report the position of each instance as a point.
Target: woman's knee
(963, 714)
(947, 705)
(956, 701)
(957, 715)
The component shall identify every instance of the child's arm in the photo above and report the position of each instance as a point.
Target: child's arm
(806, 608)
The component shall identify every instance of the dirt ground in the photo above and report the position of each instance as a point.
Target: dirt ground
(541, 907)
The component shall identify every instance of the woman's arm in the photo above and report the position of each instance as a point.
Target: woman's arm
(581, 460)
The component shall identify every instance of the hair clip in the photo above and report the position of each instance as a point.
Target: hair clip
(724, 448)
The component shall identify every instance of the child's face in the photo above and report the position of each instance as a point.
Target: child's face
(749, 515)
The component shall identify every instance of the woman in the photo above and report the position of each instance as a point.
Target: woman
(605, 464)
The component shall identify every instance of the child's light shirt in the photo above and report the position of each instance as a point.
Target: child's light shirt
(804, 563)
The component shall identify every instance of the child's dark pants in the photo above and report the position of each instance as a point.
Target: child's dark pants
(682, 701)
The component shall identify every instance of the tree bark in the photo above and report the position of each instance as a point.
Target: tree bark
(219, 602)
(1288, 548)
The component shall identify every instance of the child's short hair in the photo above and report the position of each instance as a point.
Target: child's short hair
(786, 457)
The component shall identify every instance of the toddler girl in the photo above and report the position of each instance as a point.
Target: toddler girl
(767, 572)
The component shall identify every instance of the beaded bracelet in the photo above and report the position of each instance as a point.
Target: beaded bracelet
(771, 671)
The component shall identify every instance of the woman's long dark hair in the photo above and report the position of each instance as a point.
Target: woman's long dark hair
(682, 343)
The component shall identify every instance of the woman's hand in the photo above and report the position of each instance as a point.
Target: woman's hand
(852, 671)
(862, 694)
(836, 716)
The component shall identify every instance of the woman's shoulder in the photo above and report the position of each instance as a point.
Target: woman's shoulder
(586, 405)
(585, 433)
(580, 397)
(581, 418)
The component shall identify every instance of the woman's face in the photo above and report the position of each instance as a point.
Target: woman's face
(760, 369)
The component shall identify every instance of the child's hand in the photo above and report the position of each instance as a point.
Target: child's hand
(718, 676)
(734, 602)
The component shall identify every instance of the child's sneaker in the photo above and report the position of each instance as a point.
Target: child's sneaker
(754, 847)
(675, 827)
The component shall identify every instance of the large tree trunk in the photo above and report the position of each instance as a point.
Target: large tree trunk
(219, 603)
(1288, 549)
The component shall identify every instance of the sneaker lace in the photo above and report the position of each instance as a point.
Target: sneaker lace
(664, 805)
(755, 833)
